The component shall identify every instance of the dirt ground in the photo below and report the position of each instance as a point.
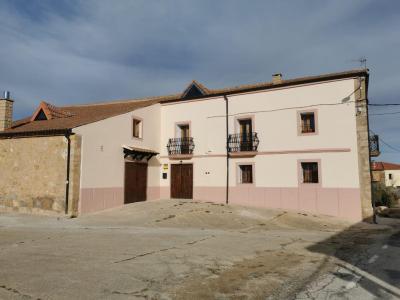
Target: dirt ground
(175, 250)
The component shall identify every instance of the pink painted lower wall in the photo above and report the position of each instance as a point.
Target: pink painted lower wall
(96, 199)
(153, 193)
(165, 192)
(339, 202)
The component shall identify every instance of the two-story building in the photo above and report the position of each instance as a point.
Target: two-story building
(298, 144)
(386, 173)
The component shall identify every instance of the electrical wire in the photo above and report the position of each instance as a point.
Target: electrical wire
(384, 114)
(383, 104)
(344, 100)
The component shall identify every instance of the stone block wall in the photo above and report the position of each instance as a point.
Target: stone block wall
(364, 163)
(74, 175)
(6, 111)
(33, 174)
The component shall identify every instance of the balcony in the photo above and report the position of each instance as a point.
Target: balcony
(243, 144)
(180, 148)
(374, 145)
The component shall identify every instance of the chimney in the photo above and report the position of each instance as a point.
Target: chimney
(6, 111)
(276, 78)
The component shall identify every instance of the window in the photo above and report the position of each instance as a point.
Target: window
(246, 173)
(307, 122)
(137, 128)
(390, 176)
(184, 131)
(41, 116)
(310, 172)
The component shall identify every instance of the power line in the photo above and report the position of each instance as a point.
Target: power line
(383, 104)
(344, 100)
(383, 114)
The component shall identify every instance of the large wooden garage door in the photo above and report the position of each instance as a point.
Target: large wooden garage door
(182, 181)
(135, 182)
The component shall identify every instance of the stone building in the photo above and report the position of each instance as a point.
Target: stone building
(300, 144)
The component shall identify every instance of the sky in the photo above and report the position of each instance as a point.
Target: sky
(81, 51)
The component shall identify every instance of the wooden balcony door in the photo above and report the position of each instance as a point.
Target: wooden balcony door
(246, 129)
(135, 182)
(184, 134)
(182, 181)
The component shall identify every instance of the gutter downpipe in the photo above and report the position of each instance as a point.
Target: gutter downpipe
(67, 136)
(227, 148)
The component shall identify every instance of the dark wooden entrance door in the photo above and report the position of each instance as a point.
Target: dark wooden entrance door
(135, 182)
(182, 181)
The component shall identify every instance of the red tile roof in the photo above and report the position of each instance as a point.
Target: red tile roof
(68, 117)
(381, 166)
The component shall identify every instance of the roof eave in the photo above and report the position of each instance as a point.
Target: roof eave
(37, 133)
(285, 83)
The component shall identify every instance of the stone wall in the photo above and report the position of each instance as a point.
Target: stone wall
(33, 173)
(364, 164)
(74, 175)
(6, 111)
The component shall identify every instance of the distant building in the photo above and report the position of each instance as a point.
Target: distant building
(387, 173)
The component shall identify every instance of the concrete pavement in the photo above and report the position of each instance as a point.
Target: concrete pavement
(173, 250)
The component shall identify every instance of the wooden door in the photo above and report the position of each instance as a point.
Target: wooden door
(135, 182)
(182, 181)
(246, 141)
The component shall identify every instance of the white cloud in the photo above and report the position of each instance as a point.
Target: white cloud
(87, 50)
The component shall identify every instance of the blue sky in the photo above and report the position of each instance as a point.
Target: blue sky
(80, 51)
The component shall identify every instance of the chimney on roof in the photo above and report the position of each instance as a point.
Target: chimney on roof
(6, 111)
(276, 78)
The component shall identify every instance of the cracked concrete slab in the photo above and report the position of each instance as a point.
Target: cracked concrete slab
(206, 251)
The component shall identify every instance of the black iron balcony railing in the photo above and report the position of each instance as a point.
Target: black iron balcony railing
(243, 142)
(180, 146)
(374, 145)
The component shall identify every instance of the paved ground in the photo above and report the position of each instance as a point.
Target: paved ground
(188, 250)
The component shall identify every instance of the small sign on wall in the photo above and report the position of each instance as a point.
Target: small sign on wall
(165, 166)
(164, 175)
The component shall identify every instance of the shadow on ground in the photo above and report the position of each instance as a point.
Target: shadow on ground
(373, 273)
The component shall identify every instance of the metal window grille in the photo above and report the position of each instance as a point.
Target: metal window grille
(243, 142)
(183, 145)
(374, 145)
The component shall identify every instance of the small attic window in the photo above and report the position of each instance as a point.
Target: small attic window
(41, 116)
(194, 90)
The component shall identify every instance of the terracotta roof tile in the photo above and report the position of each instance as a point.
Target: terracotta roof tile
(381, 166)
(68, 117)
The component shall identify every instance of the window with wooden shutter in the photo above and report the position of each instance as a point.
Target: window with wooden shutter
(137, 128)
(307, 122)
(246, 173)
(310, 172)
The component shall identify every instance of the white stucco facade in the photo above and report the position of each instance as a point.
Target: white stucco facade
(275, 117)
(392, 178)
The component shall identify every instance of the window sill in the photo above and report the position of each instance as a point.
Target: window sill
(243, 154)
(245, 184)
(311, 185)
(180, 156)
(308, 133)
